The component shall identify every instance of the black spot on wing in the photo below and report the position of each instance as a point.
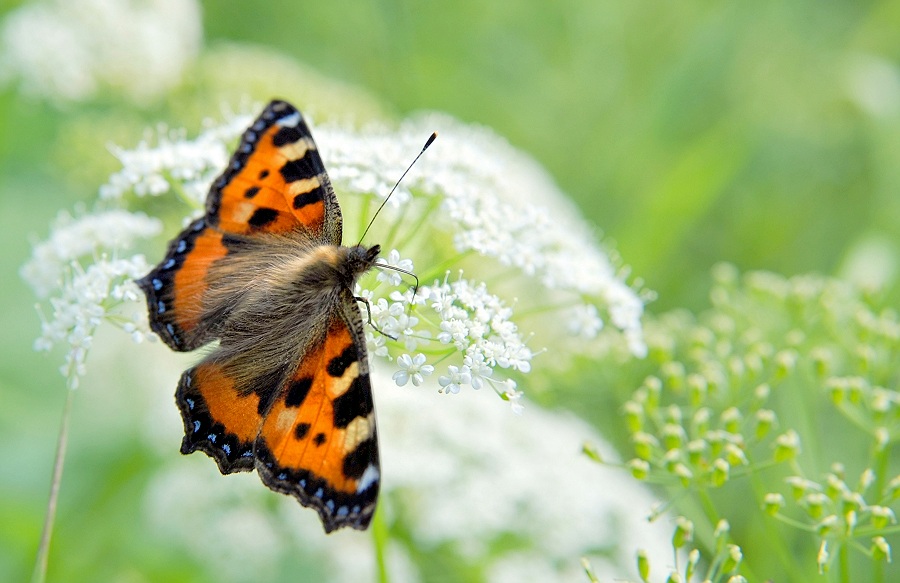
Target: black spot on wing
(299, 169)
(355, 402)
(251, 192)
(306, 198)
(288, 135)
(339, 364)
(356, 462)
(319, 439)
(297, 392)
(262, 217)
(301, 430)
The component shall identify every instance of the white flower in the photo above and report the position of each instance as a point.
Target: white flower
(584, 321)
(478, 369)
(514, 397)
(412, 368)
(70, 51)
(455, 377)
(393, 276)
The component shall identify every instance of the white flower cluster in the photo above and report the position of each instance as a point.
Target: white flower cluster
(81, 298)
(460, 315)
(102, 292)
(187, 166)
(72, 238)
(70, 51)
(497, 202)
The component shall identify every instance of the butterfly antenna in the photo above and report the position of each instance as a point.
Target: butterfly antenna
(431, 139)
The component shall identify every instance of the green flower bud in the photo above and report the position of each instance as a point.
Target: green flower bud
(697, 451)
(882, 516)
(765, 419)
(720, 472)
(697, 389)
(881, 550)
(643, 565)
(787, 446)
(815, 504)
(731, 419)
(684, 532)
(634, 416)
(733, 558)
(773, 503)
(644, 444)
(693, 559)
(673, 375)
(673, 436)
(640, 469)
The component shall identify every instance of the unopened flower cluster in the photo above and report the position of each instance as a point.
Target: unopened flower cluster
(724, 567)
(740, 389)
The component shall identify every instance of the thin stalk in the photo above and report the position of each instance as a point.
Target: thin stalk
(43, 553)
(380, 538)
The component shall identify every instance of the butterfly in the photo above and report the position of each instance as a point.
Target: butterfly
(286, 390)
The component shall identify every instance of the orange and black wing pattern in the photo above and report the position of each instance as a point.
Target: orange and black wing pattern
(318, 441)
(274, 183)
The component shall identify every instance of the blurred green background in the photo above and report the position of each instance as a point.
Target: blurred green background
(766, 134)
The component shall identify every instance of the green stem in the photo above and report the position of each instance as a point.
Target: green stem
(43, 553)
(844, 564)
(380, 537)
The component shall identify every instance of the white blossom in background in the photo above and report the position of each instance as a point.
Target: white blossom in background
(104, 291)
(72, 51)
(73, 238)
(175, 162)
(82, 281)
(523, 477)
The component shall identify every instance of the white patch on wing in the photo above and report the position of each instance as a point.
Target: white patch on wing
(290, 121)
(369, 477)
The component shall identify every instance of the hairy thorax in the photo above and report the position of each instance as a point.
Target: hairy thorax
(262, 310)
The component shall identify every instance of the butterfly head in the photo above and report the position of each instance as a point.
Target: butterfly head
(361, 259)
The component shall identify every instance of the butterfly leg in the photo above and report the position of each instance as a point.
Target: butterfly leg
(369, 317)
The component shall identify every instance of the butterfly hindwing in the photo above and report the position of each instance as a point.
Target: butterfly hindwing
(219, 419)
(276, 181)
(318, 440)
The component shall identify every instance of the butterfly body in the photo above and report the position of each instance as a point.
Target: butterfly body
(286, 390)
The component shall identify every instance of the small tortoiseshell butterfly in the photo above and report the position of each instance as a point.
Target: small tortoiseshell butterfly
(286, 391)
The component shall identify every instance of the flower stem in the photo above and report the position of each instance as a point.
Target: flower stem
(380, 538)
(43, 553)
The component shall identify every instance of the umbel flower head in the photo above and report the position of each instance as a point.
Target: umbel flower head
(486, 231)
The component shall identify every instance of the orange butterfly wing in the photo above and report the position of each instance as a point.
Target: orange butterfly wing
(274, 183)
(318, 440)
